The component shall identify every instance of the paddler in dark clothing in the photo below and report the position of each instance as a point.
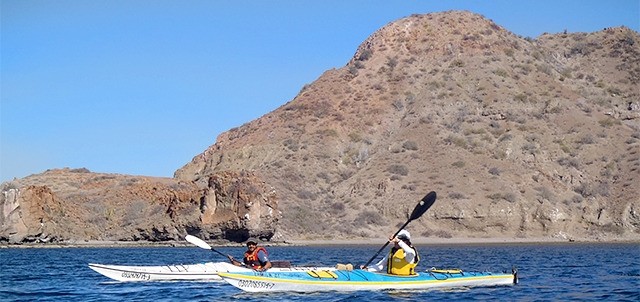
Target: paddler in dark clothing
(255, 257)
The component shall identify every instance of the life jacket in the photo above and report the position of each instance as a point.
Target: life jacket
(397, 265)
(251, 259)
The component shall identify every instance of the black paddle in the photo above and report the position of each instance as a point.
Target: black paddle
(425, 203)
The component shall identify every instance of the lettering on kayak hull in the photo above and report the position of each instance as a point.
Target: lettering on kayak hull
(255, 284)
(140, 276)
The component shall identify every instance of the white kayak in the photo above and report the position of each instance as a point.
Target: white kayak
(182, 272)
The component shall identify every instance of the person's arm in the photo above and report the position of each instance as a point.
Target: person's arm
(264, 259)
(233, 261)
(409, 253)
(379, 266)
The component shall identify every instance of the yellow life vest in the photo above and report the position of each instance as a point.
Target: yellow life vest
(397, 265)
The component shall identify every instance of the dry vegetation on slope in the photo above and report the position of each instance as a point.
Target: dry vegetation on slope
(519, 137)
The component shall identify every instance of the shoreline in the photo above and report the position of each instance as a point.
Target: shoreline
(325, 242)
(464, 241)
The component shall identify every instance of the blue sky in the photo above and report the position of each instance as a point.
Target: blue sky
(140, 87)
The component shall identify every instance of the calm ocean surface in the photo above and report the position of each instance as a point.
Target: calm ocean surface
(548, 272)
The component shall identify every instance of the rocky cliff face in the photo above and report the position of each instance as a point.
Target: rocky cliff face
(520, 137)
(76, 205)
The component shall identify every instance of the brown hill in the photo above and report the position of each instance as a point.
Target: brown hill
(520, 138)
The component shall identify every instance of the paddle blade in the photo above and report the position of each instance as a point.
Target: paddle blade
(199, 242)
(425, 203)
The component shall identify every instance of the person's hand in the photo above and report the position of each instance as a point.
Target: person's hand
(363, 267)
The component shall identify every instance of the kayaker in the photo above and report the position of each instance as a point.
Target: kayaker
(255, 257)
(402, 258)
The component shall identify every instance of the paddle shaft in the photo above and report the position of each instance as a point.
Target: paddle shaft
(387, 243)
(221, 254)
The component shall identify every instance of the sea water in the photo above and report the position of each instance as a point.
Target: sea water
(547, 272)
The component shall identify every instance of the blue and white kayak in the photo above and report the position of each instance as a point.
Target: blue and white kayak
(355, 280)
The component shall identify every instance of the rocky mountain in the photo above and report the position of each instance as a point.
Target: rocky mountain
(519, 137)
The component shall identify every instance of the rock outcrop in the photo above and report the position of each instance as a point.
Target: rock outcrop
(76, 205)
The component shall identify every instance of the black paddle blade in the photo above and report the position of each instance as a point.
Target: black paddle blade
(425, 203)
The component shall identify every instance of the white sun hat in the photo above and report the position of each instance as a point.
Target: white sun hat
(404, 234)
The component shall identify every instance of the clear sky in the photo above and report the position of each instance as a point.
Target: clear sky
(141, 87)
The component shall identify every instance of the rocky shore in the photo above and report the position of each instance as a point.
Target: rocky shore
(326, 242)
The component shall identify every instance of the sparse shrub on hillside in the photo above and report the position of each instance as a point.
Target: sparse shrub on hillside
(569, 162)
(510, 197)
(392, 62)
(530, 148)
(410, 187)
(291, 144)
(565, 74)
(353, 69)
(608, 122)
(327, 132)
(324, 175)
(398, 170)
(355, 137)
(457, 63)
(456, 195)
(614, 91)
(494, 171)
(474, 131)
(337, 208)
(508, 52)
(437, 234)
(426, 119)
(505, 137)
(521, 97)
(499, 154)
(608, 170)
(501, 72)
(586, 139)
(410, 145)
(544, 68)
(456, 140)
(575, 199)
(365, 55)
(369, 218)
(545, 194)
(458, 164)
(397, 104)
(588, 190)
